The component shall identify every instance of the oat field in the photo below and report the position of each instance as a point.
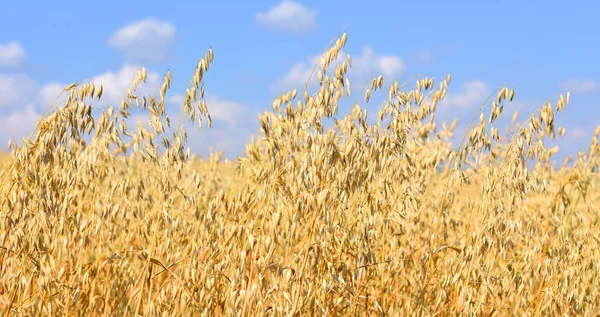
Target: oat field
(330, 212)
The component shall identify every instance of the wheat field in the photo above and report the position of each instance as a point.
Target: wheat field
(330, 212)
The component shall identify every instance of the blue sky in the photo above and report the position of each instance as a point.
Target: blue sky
(263, 48)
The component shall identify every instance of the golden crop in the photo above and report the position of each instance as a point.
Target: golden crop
(365, 217)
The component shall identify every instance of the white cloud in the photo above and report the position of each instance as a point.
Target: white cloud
(288, 16)
(12, 54)
(115, 84)
(51, 92)
(18, 125)
(297, 76)
(227, 111)
(231, 129)
(145, 40)
(364, 67)
(369, 64)
(23, 101)
(472, 94)
(578, 85)
(231, 124)
(16, 90)
(176, 99)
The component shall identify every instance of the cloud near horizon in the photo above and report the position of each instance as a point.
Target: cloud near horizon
(23, 100)
(16, 91)
(365, 67)
(471, 94)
